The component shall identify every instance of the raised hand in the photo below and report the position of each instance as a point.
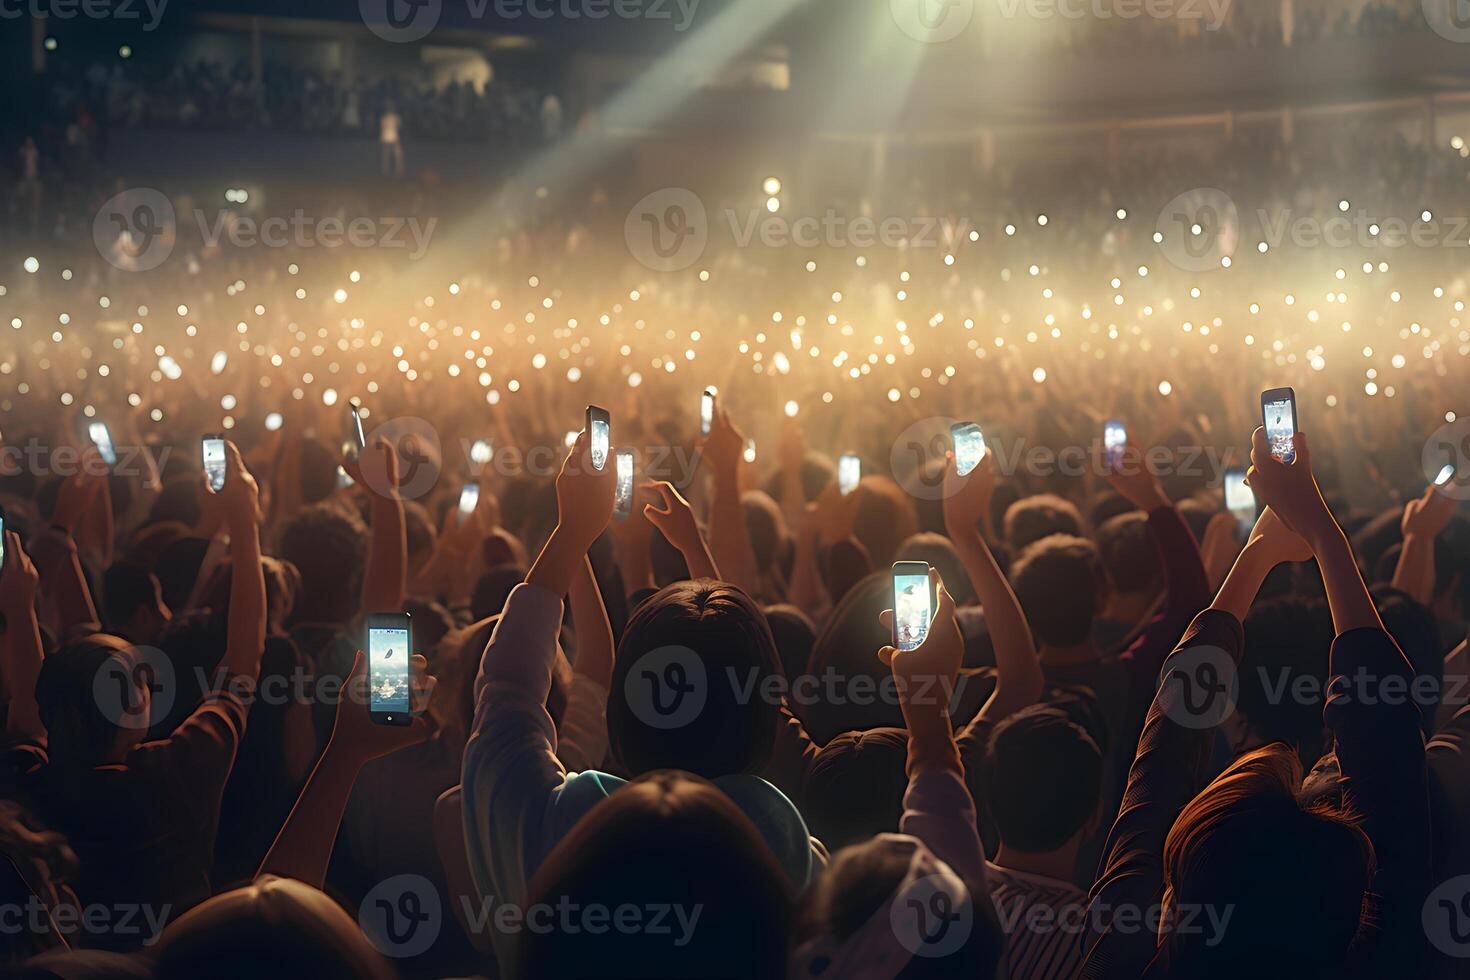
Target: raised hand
(239, 501)
(19, 580)
(584, 494)
(375, 471)
(1134, 482)
(1277, 542)
(938, 658)
(356, 735)
(1290, 489)
(967, 498)
(1426, 516)
(725, 445)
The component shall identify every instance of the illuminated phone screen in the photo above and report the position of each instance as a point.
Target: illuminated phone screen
(214, 463)
(969, 448)
(103, 440)
(1280, 420)
(388, 664)
(706, 413)
(357, 428)
(1239, 499)
(468, 498)
(623, 503)
(601, 437)
(849, 472)
(1115, 437)
(911, 611)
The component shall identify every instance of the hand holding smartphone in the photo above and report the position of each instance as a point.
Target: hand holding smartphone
(355, 433)
(849, 473)
(469, 499)
(913, 604)
(213, 451)
(706, 411)
(390, 656)
(969, 446)
(623, 499)
(1278, 415)
(102, 439)
(1115, 439)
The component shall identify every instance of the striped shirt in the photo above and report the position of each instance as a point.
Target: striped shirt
(1043, 919)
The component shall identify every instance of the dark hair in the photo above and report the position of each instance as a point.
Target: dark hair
(1414, 628)
(1043, 778)
(848, 646)
(1287, 642)
(177, 501)
(329, 548)
(1129, 556)
(709, 626)
(768, 536)
(493, 588)
(78, 733)
(1106, 505)
(855, 786)
(939, 551)
(795, 635)
(1033, 518)
(126, 588)
(178, 569)
(885, 518)
(1059, 582)
(669, 840)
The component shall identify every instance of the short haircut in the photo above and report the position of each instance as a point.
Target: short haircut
(1129, 556)
(126, 588)
(1033, 518)
(1042, 778)
(1059, 581)
(716, 627)
(329, 547)
(855, 786)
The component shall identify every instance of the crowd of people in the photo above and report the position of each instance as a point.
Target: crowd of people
(1145, 735)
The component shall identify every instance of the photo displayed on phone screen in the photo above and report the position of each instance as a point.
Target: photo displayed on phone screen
(911, 610)
(849, 473)
(600, 428)
(623, 500)
(1115, 438)
(214, 462)
(388, 671)
(1278, 415)
(969, 446)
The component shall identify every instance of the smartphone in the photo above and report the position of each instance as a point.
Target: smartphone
(969, 446)
(102, 439)
(750, 450)
(480, 452)
(2, 537)
(599, 427)
(706, 411)
(849, 472)
(1115, 437)
(1240, 499)
(1278, 415)
(390, 648)
(623, 502)
(469, 498)
(913, 603)
(214, 461)
(344, 479)
(359, 440)
(1446, 473)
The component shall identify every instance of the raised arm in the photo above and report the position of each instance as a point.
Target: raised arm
(1019, 680)
(63, 582)
(673, 516)
(386, 581)
(239, 502)
(729, 538)
(22, 664)
(590, 622)
(1424, 518)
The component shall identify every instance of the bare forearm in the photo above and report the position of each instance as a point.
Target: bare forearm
(23, 637)
(1414, 572)
(247, 601)
(556, 566)
(387, 572)
(1352, 607)
(71, 597)
(729, 539)
(594, 632)
(1243, 582)
(1019, 682)
(303, 848)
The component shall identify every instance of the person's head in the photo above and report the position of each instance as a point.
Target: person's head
(701, 640)
(420, 534)
(328, 546)
(795, 634)
(1106, 505)
(855, 786)
(847, 647)
(178, 569)
(1033, 518)
(1129, 556)
(938, 551)
(178, 502)
(270, 927)
(1043, 780)
(1060, 584)
(80, 733)
(493, 588)
(667, 840)
(132, 603)
(885, 517)
(1287, 642)
(1296, 881)
(1413, 627)
(769, 538)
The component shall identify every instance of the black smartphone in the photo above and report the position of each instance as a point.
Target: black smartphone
(599, 430)
(1278, 415)
(849, 473)
(623, 501)
(390, 652)
(706, 411)
(969, 446)
(356, 436)
(214, 460)
(913, 603)
(102, 439)
(1240, 499)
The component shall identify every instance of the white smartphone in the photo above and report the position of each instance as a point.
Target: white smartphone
(913, 603)
(102, 439)
(849, 473)
(599, 425)
(1446, 473)
(969, 446)
(706, 411)
(1278, 415)
(469, 498)
(390, 650)
(1115, 438)
(623, 501)
(214, 461)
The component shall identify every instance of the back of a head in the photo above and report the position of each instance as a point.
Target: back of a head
(939, 551)
(1033, 518)
(1043, 779)
(1060, 583)
(766, 527)
(1129, 556)
(681, 694)
(846, 650)
(78, 732)
(329, 548)
(493, 588)
(855, 786)
(795, 635)
(126, 590)
(1287, 643)
(271, 927)
(1296, 881)
(885, 517)
(666, 841)
(1414, 629)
